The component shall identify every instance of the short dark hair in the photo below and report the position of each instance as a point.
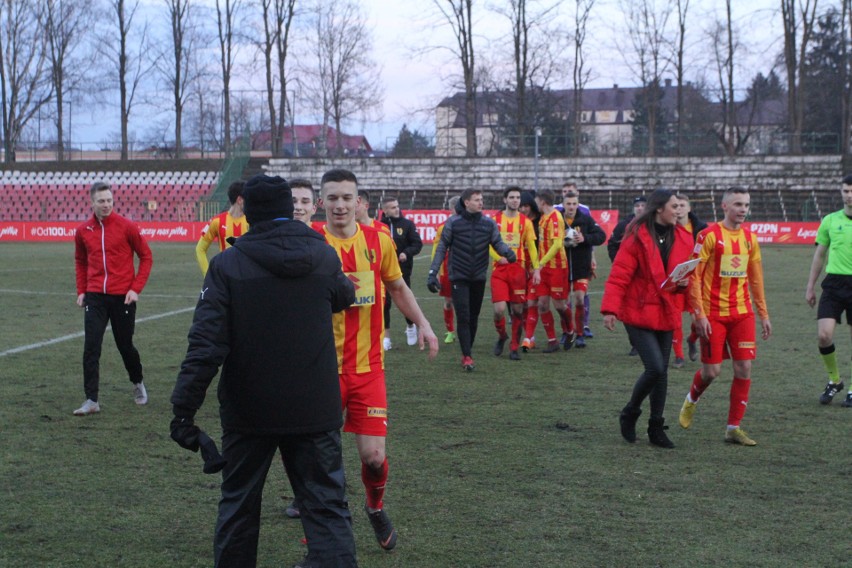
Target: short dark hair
(389, 198)
(301, 182)
(510, 189)
(569, 184)
(571, 194)
(99, 186)
(468, 193)
(235, 190)
(546, 195)
(364, 195)
(847, 180)
(337, 175)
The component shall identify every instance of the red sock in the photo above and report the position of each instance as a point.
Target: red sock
(698, 387)
(500, 325)
(739, 401)
(448, 319)
(547, 323)
(579, 318)
(517, 329)
(565, 319)
(693, 334)
(375, 484)
(532, 321)
(677, 341)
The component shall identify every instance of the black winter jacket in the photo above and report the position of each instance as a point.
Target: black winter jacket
(580, 256)
(697, 225)
(406, 238)
(468, 236)
(617, 236)
(264, 315)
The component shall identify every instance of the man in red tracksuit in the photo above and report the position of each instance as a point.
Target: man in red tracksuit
(108, 288)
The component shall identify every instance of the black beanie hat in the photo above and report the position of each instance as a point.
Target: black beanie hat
(266, 198)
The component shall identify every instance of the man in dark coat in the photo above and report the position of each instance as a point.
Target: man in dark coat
(408, 245)
(265, 316)
(615, 239)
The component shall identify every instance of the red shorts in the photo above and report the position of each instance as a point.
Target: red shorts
(365, 403)
(730, 338)
(581, 285)
(509, 283)
(554, 283)
(446, 288)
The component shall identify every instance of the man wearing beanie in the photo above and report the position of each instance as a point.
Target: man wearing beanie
(265, 316)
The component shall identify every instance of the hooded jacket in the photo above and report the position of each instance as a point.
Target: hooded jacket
(406, 239)
(265, 316)
(103, 256)
(468, 235)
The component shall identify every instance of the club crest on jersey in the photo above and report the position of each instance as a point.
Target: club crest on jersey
(370, 255)
(399, 231)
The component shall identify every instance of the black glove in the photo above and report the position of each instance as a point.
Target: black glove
(185, 433)
(432, 283)
(213, 460)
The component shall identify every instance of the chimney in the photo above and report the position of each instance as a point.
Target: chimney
(668, 83)
(615, 86)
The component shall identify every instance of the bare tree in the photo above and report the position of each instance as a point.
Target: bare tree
(579, 75)
(346, 79)
(458, 14)
(647, 28)
(846, 34)
(278, 17)
(226, 16)
(24, 76)
(799, 17)
(682, 9)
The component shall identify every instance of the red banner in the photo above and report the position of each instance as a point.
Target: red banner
(64, 231)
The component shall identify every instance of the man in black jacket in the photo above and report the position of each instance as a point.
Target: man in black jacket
(408, 245)
(467, 234)
(584, 234)
(265, 316)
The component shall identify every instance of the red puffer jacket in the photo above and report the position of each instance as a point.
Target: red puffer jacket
(633, 291)
(104, 256)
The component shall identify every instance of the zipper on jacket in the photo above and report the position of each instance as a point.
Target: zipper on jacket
(103, 253)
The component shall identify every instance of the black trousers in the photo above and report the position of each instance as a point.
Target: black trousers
(654, 348)
(314, 464)
(101, 309)
(406, 276)
(467, 301)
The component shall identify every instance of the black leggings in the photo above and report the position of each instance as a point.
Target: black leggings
(654, 348)
(467, 301)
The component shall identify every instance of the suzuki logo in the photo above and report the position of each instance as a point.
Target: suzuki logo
(354, 280)
(735, 262)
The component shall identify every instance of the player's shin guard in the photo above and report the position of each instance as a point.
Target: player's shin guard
(517, 330)
(698, 387)
(547, 324)
(586, 310)
(565, 320)
(739, 401)
(500, 326)
(677, 341)
(531, 321)
(829, 359)
(579, 318)
(448, 319)
(374, 483)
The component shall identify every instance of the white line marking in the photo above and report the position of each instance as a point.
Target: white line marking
(71, 295)
(81, 334)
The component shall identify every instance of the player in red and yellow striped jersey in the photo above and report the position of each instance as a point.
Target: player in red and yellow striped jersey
(509, 279)
(446, 291)
(728, 275)
(370, 261)
(230, 223)
(554, 269)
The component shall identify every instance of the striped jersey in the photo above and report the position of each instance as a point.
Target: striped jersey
(551, 233)
(218, 230)
(729, 269)
(369, 260)
(519, 234)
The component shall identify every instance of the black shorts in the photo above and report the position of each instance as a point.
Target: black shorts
(836, 298)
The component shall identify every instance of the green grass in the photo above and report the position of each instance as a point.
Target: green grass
(480, 474)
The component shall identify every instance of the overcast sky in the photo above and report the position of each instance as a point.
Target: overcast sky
(415, 79)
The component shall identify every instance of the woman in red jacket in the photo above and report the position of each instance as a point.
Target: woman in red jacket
(653, 245)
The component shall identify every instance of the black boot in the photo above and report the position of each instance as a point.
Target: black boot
(657, 433)
(627, 419)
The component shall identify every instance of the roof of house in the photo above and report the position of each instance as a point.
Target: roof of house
(312, 133)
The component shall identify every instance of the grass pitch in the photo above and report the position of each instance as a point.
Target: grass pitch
(516, 464)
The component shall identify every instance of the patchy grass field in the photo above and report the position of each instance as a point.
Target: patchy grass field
(517, 464)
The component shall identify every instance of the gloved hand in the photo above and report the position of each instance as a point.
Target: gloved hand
(432, 283)
(185, 432)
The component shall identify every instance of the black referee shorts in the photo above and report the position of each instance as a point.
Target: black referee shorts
(836, 298)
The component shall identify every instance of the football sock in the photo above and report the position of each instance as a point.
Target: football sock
(677, 341)
(375, 485)
(448, 319)
(517, 330)
(698, 387)
(579, 317)
(532, 321)
(586, 309)
(547, 323)
(829, 359)
(693, 334)
(565, 319)
(739, 401)
(500, 325)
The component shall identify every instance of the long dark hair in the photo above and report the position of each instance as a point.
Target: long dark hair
(657, 200)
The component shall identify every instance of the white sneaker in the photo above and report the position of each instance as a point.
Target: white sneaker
(411, 334)
(89, 407)
(387, 344)
(140, 395)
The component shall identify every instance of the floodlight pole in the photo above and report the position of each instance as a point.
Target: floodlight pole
(535, 158)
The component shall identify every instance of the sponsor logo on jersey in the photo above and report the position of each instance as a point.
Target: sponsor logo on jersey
(373, 412)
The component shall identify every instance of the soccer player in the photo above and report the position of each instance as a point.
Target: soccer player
(108, 287)
(580, 253)
(304, 202)
(689, 221)
(530, 209)
(509, 280)
(834, 239)
(466, 237)
(728, 275)
(446, 291)
(230, 223)
(567, 188)
(554, 271)
(408, 244)
(369, 260)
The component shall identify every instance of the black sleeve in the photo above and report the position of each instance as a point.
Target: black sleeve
(344, 291)
(615, 240)
(594, 236)
(413, 240)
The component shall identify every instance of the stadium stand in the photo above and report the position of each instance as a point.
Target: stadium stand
(140, 196)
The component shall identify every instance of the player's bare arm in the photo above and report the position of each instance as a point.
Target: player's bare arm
(404, 299)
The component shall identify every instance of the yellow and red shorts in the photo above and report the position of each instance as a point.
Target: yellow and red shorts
(365, 402)
(554, 283)
(732, 337)
(581, 285)
(509, 283)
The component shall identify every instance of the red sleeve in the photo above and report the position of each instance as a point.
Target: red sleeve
(146, 259)
(620, 277)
